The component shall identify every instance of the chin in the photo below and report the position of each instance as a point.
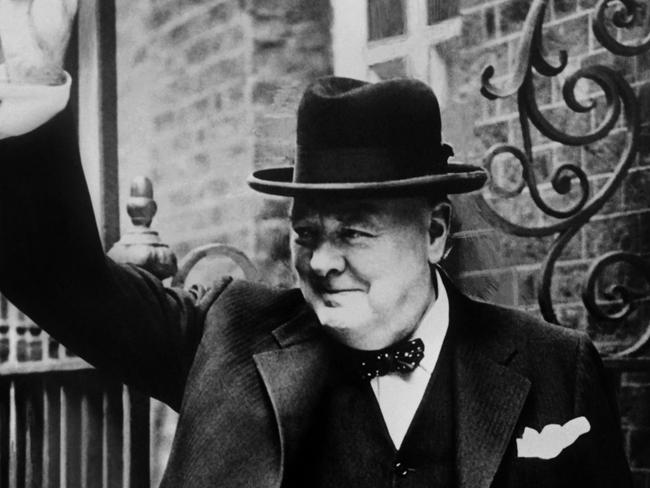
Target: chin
(350, 327)
(339, 317)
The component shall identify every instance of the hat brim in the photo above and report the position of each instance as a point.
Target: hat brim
(460, 178)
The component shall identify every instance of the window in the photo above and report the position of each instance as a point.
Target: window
(394, 68)
(381, 39)
(439, 10)
(385, 19)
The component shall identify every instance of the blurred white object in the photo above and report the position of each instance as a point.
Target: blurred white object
(23, 108)
(552, 439)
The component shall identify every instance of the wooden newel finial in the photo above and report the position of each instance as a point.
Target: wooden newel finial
(141, 206)
(141, 245)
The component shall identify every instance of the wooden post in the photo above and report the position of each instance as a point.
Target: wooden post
(97, 111)
(141, 245)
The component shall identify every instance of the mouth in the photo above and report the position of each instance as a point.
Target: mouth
(330, 290)
(334, 291)
(336, 297)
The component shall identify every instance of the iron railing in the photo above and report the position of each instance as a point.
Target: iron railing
(613, 303)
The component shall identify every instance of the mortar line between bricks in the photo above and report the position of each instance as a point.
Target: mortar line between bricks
(204, 205)
(235, 53)
(485, 272)
(514, 35)
(179, 20)
(525, 267)
(462, 234)
(615, 215)
(214, 58)
(217, 113)
(476, 8)
(515, 115)
(202, 122)
(494, 3)
(208, 34)
(593, 178)
(207, 235)
(507, 117)
(599, 217)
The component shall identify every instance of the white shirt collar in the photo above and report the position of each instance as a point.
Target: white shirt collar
(432, 329)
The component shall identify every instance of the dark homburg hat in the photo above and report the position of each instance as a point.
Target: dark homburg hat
(371, 139)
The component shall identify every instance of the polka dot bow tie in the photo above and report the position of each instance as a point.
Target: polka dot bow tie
(402, 357)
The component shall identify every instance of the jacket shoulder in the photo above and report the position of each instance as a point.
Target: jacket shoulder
(254, 305)
(523, 327)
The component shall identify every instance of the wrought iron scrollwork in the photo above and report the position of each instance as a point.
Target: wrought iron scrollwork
(620, 101)
(624, 16)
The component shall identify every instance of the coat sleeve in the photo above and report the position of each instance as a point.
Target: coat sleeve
(607, 465)
(53, 268)
(25, 107)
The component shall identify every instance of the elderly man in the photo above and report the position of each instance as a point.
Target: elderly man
(376, 372)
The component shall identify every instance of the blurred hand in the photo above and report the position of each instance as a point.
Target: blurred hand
(34, 36)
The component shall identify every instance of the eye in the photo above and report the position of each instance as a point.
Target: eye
(350, 234)
(305, 236)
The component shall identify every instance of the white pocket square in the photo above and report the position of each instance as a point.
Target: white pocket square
(552, 439)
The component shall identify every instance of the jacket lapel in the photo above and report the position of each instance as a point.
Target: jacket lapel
(294, 376)
(489, 393)
(490, 397)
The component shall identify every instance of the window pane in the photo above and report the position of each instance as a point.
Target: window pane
(441, 10)
(385, 18)
(395, 68)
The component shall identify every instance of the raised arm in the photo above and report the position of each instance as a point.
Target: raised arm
(52, 265)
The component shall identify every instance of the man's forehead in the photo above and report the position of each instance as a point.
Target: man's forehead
(348, 208)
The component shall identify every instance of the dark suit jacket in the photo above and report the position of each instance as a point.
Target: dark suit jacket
(244, 364)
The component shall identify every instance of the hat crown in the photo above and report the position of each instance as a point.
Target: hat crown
(346, 113)
(372, 139)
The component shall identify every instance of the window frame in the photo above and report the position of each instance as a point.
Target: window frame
(354, 53)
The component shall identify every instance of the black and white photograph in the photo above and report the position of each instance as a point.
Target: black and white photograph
(324, 243)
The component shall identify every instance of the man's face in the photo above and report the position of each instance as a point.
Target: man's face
(363, 265)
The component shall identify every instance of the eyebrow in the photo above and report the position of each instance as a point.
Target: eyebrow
(364, 214)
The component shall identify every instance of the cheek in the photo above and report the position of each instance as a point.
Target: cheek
(394, 275)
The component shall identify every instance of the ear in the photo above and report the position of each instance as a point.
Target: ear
(439, 225)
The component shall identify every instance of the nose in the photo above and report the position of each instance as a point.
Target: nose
(326, 258)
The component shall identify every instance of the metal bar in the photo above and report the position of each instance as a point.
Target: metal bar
(136, 437)
(33, 434)
(91, 433)
(97, 82)
(51, 434)
(70, 436)
(12, 437)
(4, 434)
(16, 437)
(112, 459)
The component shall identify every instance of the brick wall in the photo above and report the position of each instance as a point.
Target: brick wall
(207, 93)
(291, 48)
(490, 34)
(185, 116)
